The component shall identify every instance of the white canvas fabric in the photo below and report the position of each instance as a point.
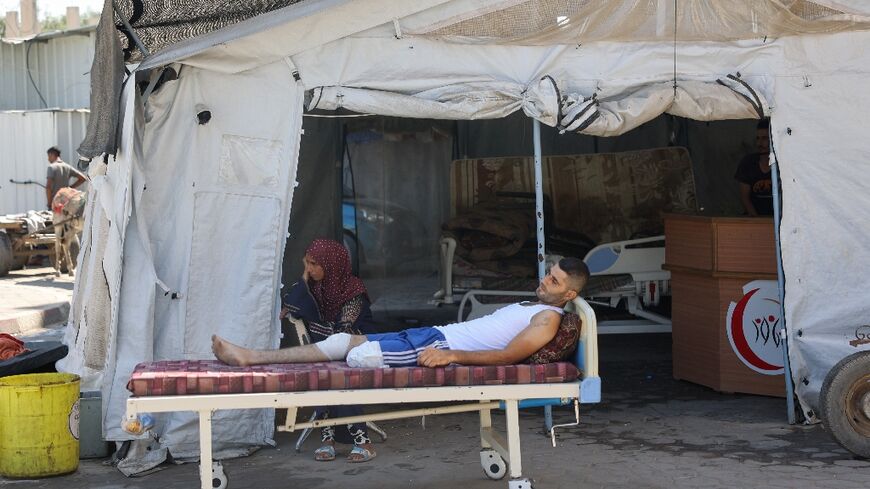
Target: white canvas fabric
(305, 25)
(466, 101)
(175, 182)
(821, 141)
(702, 101)
(208, 206)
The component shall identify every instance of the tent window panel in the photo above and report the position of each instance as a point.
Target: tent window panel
(249, 161)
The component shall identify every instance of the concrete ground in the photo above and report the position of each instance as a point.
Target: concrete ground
(33, 300)
(650, 432)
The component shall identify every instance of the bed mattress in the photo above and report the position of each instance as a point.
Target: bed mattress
(196, 377)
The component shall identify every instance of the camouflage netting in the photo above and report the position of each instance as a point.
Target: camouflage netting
(161, 23)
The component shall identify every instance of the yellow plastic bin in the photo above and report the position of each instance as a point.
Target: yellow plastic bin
(39, 425)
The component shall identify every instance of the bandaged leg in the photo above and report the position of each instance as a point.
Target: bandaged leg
(366, 355)
(335, 347)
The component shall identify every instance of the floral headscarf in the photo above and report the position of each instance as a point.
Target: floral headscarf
(338, 285)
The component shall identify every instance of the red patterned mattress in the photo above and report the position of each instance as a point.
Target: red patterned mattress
(187, 377)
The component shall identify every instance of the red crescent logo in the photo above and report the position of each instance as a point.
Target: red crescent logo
(740, 340)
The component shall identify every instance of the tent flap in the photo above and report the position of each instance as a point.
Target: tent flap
(824, 229)
(703, 101)
(465, 101)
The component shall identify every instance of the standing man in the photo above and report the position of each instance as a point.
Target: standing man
(58, 175)
(756, 189)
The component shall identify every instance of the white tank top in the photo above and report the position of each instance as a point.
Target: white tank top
(493, 331)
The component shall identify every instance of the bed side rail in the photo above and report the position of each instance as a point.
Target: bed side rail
(628, 256)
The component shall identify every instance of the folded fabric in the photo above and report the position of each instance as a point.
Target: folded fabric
(491, 232)
(10, 346)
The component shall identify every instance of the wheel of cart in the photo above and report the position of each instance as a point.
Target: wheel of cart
(845, 403)
(6, 256)
(17, 245)
(10, 257)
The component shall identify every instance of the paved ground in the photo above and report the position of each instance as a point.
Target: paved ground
(651, 432)
(33, 300)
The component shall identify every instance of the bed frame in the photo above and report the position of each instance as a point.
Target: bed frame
(498, 456)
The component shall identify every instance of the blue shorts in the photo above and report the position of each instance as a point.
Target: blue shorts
(401, 349)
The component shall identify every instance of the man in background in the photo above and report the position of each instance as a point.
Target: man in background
(756, 189)
(58, 175)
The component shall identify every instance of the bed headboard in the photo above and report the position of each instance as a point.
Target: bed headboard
(586, 356)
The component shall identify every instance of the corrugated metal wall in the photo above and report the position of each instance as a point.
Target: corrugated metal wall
(60, 66)
(24, 139)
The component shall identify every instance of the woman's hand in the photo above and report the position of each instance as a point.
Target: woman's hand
(304, 272)
(432, 357)
(284, 312)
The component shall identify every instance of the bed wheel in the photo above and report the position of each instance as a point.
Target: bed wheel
(218, 477)
(520, 484)
(493, 465)
(845, 403)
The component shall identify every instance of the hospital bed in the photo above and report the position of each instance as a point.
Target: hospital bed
(166, 387)
(622, 272)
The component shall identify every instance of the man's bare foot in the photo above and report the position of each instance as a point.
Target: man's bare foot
(229, 353)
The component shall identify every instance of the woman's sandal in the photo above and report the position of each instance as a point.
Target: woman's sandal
(326, 453)
(360, 454)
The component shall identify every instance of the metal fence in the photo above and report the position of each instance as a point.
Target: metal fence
(51, 70)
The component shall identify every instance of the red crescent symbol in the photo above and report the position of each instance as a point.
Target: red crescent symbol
(740, 340)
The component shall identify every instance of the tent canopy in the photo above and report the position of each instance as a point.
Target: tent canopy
(526, 22)
(597, 67)
(241, 37)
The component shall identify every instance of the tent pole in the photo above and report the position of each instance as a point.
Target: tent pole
(780, 279)
(539, 224)
(136, 40)
(539, 199)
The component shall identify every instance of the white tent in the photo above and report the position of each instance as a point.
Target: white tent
(187, 224)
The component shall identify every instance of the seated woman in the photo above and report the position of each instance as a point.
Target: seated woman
(330, 300)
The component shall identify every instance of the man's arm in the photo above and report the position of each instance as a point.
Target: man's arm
(48, 186)
(538, 333)
(80, 177)
(746, 199)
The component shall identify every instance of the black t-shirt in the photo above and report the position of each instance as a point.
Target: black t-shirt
(759, 182)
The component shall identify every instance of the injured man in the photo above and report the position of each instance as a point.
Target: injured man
(507, 336)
